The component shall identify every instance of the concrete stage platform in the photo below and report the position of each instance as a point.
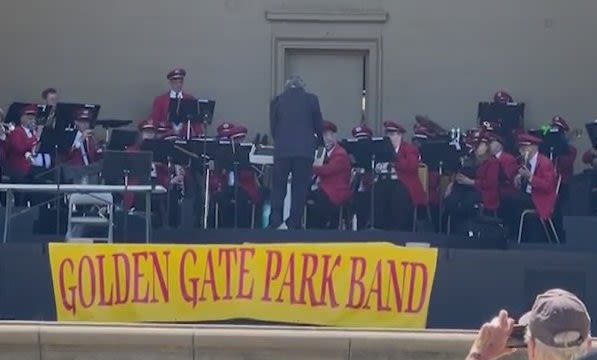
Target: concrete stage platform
(28, 341)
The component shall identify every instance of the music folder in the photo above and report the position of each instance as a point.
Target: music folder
(507, 116)
(121, 139)
(117, 164)
(230, 155)
(57, 139)
(360, 151)
(177, 152)
(205, 148)
(554, 142)
(183, 110)
(440, 152)
(65, 114)
(382, 149)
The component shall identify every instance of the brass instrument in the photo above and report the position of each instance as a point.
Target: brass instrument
(524, 162)
(8, 128)
(47, 116)
(51, 117)
(176, 188)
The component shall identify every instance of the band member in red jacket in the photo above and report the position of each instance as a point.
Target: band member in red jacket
(363, 180)
(166, 107)
(508, 166)
(331, 189)
(23, 165)
(20, 148)
(399, 188)
(84, 150)
(462, 198)
(536, 181)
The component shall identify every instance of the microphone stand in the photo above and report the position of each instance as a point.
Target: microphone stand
(372, 200)
(126, 173)
(169, 193)
(235, 164)
(207, 176)
(57, 190)
(440, 212)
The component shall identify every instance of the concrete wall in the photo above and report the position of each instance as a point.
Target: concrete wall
(65, 342)
(439, 57)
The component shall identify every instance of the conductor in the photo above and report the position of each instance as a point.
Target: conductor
(296, 126)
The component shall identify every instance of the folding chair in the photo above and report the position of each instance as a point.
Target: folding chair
(424, 178)
(543, 222)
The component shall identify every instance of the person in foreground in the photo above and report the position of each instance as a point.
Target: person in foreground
(557, 328)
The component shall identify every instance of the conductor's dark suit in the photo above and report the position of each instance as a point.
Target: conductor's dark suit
(296, 125)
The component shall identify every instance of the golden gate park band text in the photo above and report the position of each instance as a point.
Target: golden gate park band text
(374, 284)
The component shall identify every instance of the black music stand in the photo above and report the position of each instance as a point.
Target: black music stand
(206, 149)
(440, 156)
(122, 139)
(359, 151)
(233, 157)
(505, 118)
(119, 166)
(381, 150)
(110, 124)
(65, 114)
(361, 157)
(166, 152)
(183, 111)
(554, 142)
(206, 110)
(161, 149)
(592, 132)
(56, 142)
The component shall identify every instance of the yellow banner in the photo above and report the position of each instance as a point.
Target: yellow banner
(355, 285)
